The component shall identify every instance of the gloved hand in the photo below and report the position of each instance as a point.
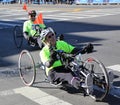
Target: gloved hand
(53, 54)
(30, 39)
(87, 49)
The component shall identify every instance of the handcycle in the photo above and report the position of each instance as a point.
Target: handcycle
(18, 36)
(80, 68)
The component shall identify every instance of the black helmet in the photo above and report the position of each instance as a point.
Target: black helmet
(32, 12)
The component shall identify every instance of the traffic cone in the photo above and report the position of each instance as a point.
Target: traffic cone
(39, 19)
(25, 7)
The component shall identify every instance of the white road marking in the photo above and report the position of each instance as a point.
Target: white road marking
(42, 98)
(114, 67)
(39, 96)
(35, 95)
(63, 16)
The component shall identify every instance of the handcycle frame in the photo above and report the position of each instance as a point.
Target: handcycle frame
(80, 68)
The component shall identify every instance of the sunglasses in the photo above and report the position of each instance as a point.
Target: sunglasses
(32, 15)
(50, 36)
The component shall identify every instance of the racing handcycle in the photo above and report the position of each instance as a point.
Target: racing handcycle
(81, 68)
(18, 35)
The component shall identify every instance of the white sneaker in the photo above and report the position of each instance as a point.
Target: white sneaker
(89, 84)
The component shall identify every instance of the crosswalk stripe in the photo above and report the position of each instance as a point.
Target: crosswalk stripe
(35, 95)
(18, 16)
(114, 67)
(42, 98)
(39, 96)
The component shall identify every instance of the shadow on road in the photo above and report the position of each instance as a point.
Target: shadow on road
(8, 48)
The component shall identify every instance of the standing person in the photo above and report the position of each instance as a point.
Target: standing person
(30, 29)
(55, 70)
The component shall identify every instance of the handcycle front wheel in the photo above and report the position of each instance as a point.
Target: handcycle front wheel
(100, 78)
(27, 69)
(18, 36)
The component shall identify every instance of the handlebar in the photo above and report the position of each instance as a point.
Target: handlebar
(61, 52)
(68, 59)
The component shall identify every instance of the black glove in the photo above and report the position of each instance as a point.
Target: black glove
(53, 54)
(87, 49)
(53, 58)
(31, 39)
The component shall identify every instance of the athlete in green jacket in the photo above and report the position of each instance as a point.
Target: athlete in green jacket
(29, 29)
(55, 70)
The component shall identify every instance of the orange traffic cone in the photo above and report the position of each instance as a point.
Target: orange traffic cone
(39, 19)
(25, 7)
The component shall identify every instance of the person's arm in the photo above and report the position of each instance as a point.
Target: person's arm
(76, 50)
(87, 49)
(53, 58)
(25, 30)
(25, 34)
(27, 37)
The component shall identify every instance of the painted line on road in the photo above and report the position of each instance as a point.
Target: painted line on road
(39, 96)
(114, 67)
(18, 22)
(35, 95)
(42, 98)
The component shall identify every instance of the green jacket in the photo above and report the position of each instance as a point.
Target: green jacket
(27, 27)
(45, 53)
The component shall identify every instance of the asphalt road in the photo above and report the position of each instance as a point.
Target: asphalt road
(80, 25)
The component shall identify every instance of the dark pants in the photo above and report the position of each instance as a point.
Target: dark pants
(63, 74)
(36, 41)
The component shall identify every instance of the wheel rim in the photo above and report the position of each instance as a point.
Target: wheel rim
(27, 68)
(100, 81)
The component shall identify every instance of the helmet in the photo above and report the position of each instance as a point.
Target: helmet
(32, 12)
(45, 32)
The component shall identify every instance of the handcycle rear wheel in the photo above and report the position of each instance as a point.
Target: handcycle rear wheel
(18, 36)
(27, 68)
(100, 78)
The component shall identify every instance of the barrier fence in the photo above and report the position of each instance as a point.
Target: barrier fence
(97, 1)
(63, 1)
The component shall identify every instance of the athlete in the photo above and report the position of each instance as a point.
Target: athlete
(31, 31)
(55, 70)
